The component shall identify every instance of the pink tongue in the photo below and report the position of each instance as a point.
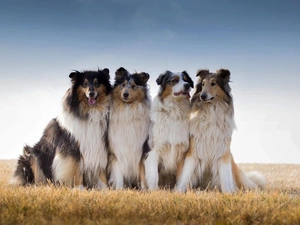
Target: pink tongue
(92, 101)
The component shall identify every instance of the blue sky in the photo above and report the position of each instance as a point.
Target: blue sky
(259, 41)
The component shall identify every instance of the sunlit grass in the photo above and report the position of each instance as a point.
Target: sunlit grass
(279, 203)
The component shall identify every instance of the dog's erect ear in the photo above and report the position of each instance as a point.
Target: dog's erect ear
(120, 73)
(187, 78)
(106, 72)
(74, 75)
(202, 73)
(144, 77)
(161, 77)
(224, 73)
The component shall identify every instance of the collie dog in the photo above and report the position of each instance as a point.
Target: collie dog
(128, 129)
(209, 159)
(73, 148)
(169, 132)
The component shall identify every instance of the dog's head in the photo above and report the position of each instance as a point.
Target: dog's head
(212, 86)
(130, 87)
(91, 86)
(176, 85)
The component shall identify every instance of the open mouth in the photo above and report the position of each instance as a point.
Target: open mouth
(186, 93)
(92, 101)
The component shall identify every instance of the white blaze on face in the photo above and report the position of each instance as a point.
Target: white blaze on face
(179, 89)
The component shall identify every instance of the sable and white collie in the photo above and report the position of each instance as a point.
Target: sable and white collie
(209, 160)
(128, 129)
(169, 132)
(73, 148)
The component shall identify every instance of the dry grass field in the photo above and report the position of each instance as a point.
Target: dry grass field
(279, 203)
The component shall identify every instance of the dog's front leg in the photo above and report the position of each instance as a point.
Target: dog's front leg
(151, 170)
(116, 176)
(102, 180)
(226, 177)
(184, 177)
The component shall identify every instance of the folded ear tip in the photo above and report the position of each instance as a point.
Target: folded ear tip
(106, 70)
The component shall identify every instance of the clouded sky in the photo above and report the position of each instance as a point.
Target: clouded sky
(258, 41)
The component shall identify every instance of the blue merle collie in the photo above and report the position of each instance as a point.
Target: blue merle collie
(73, 147)
(128, 129)
(169, 132)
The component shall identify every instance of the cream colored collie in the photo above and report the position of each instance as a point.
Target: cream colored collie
(209, 160)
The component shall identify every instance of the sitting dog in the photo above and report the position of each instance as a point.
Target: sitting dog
(169, 133)
(128, 129)
(72, 150)
(209, 159)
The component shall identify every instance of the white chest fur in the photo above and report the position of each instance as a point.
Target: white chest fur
(90, 136)
(170, 121)
(212, 128)
(128, 130)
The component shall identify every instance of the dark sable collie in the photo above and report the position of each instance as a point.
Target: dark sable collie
(209, 159)
(128, 128)
(73, 148)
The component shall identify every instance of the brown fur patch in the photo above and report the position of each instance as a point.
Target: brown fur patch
(169, 86)
(67, 171)
(103, 177)
(227, 157)
(167, 92)
(191, 147)
(142, 178)
(180, 167)
(236, 173)
(84, 105)
(38, 174)
(211, 88)
(135, 93)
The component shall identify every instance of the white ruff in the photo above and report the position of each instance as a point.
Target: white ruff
(127, 133)
(90, 136)
(212, 128)
(170, 129)
(170, 121)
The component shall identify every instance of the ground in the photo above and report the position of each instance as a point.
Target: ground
(278, 203)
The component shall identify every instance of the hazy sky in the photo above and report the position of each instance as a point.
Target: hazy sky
(42, 41)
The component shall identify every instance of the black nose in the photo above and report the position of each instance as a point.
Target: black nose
(187, 85)
(125, 95)
(92, 94)
(203, 96)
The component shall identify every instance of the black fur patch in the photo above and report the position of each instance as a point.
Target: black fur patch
(139, 78)
(72, 100)
(55, 139)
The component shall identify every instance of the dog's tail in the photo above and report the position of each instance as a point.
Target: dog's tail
(252, 180)
(23, 174)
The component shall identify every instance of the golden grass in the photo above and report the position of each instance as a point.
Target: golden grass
(279, 203)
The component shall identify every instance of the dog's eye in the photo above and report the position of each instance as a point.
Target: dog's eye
(133, 86)
(213, 84)
(173, 82)
(203, 84)
(85, 84)
(96, 84)
(122, 85)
